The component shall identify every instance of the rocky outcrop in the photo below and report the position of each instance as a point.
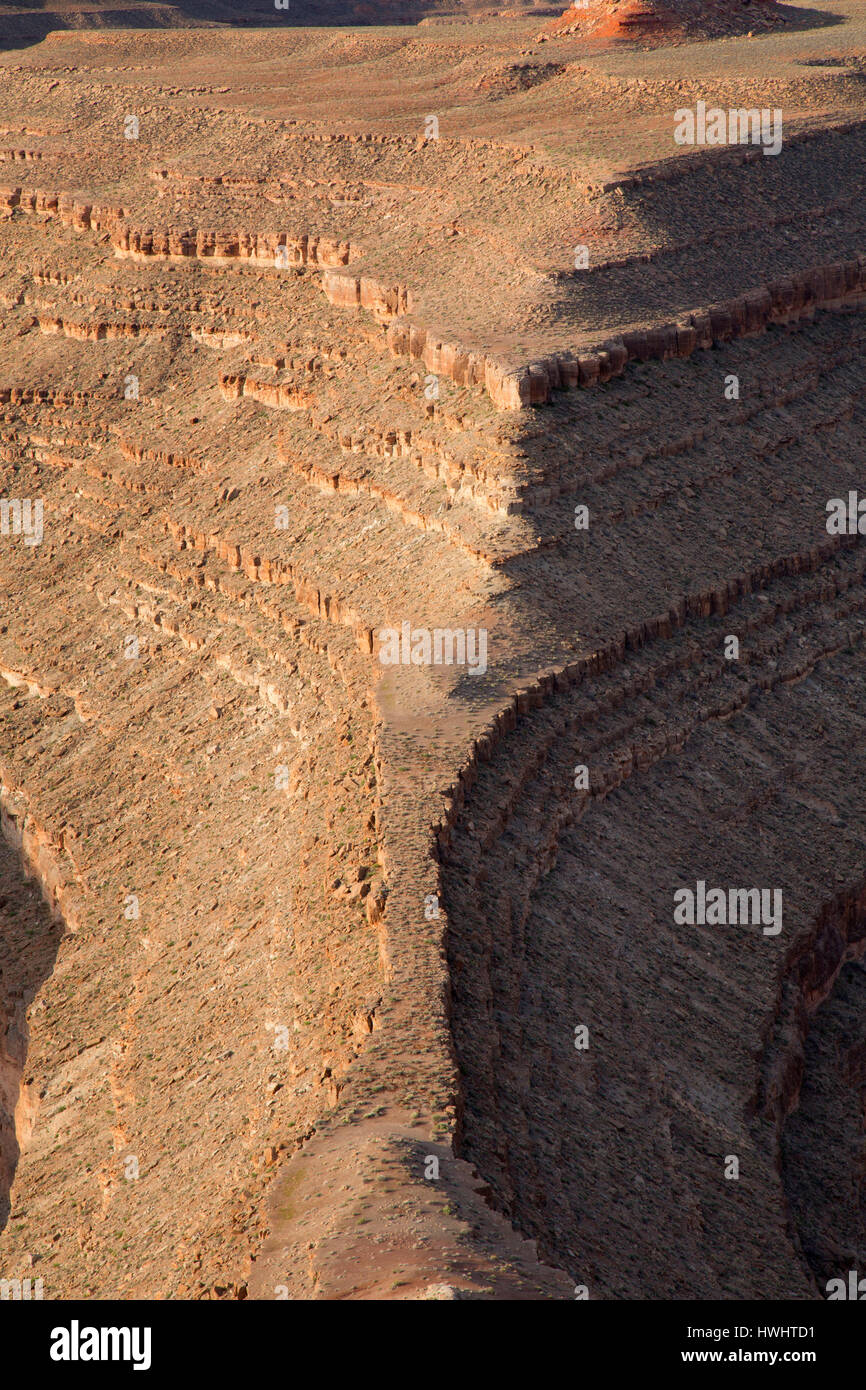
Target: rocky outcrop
(660, 22)
(98, 331)
(227, 248)
(782, 302)
(810, 1085)
(383, 301)
(176, 243)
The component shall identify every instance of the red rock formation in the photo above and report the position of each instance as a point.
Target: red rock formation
(665, 21)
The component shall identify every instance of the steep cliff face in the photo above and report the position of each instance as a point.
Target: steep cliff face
(295, 392)
(28, 941)
(655, 763)
(613, 1154)
(812, 1084)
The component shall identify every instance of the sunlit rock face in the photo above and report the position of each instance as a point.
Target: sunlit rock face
(430, 543)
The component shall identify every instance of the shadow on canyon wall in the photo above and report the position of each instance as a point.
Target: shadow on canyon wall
(652, 763)
(29, 938)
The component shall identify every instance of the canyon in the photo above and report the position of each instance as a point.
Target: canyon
(300, 927)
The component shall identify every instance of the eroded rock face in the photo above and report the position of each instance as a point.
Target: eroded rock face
(822, 1144)
(812, 1081)
(28, 943)
(275, 385)
(655, 22)
(614, 1156)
